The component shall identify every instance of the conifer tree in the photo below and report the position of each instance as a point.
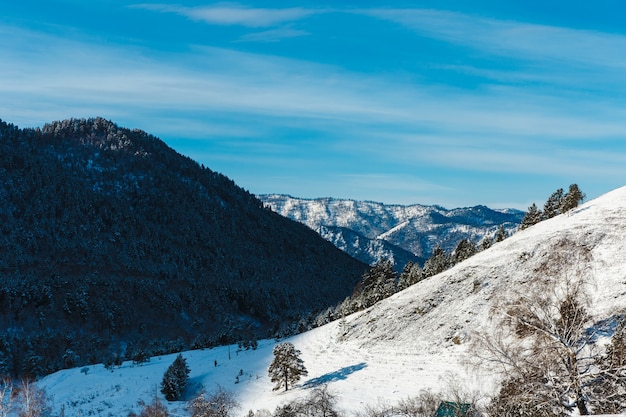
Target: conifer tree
(438, 262)
(175, 379)
(500, 234)
(552, 206)
(573, 197)
(379, 282)
(411, 274)
(287, 367)
(485, 243)
(532, 217)
(464, 249)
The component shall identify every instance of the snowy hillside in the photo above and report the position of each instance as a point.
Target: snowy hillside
(417, 339)
(417, 229)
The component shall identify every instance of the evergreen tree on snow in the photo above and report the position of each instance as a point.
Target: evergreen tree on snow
(287, 367)
(175, 379)
(411, 274)
(438, 262)
(532, 217)
(464, 249)
(573, 197)
(485, 243)
(501, 234)
(552, 206)
(379, 282)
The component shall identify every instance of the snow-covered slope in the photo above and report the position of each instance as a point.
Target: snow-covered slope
(417, 229)
(417, 339)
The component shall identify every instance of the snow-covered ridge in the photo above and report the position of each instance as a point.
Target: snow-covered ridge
(417, 339)
(416, 228)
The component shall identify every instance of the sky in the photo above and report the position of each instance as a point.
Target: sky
(443, 102)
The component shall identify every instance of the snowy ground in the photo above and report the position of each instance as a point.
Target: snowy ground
(416, 340)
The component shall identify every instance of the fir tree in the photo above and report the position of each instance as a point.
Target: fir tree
(175, 379)
(552, 206)
(438, 262)
(532, 217)
(464, 249)
(501, 234)
(379, 282)
(573, 197)
(411, 274)
(485, 243)
(287, 367)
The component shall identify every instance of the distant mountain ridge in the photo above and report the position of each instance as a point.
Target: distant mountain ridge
(370, 230)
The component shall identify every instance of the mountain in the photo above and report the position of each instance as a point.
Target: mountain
(418, 339)
(367, 250)
(370, 231)
(115, 245)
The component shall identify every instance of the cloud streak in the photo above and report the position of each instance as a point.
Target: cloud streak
(228, 14)
(535, 118)
(555, 50)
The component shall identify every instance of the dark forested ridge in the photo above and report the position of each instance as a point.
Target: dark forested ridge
(114, 245)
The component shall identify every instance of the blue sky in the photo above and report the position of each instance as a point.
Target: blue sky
(454, 103)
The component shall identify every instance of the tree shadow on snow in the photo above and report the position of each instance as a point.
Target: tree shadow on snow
(339, 375)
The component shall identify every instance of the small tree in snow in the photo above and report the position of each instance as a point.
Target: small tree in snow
(175, 379)
(411, 274)
(219, 403)
(154, 409)
(573, 197)
(32, 401)
(438, 262)
(532, 217)
(287, 367)
(7, 393)
(464, 249)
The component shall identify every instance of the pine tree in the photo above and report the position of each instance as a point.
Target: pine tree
(573, 197)
(379, 282)
(464, 249)
(500, 234)
(175, 379)
(485, 243)
(552, 206)
(437, 263)
(287, 367)
(532, 217)
(411, 274)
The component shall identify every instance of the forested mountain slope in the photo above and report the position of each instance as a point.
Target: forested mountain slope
(422, 338)
(112, 244)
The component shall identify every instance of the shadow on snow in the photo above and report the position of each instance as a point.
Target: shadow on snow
(339, 375)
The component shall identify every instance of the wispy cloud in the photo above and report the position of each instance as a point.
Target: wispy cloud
(508, 125)
(554, 57)
(234, 14)
(273, 35)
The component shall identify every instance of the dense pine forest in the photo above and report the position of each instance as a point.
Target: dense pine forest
(115, 246)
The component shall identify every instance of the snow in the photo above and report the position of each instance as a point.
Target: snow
(415, 340)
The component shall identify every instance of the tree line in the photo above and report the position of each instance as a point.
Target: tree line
(559, 202)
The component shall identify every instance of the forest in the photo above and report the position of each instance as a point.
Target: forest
(114, 246)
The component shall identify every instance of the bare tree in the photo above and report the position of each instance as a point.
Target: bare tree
(154, 409)
(7, 392)
(547, 350)
(219, 403)
(32, 401)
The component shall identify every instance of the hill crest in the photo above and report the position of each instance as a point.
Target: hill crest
(419, 338)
